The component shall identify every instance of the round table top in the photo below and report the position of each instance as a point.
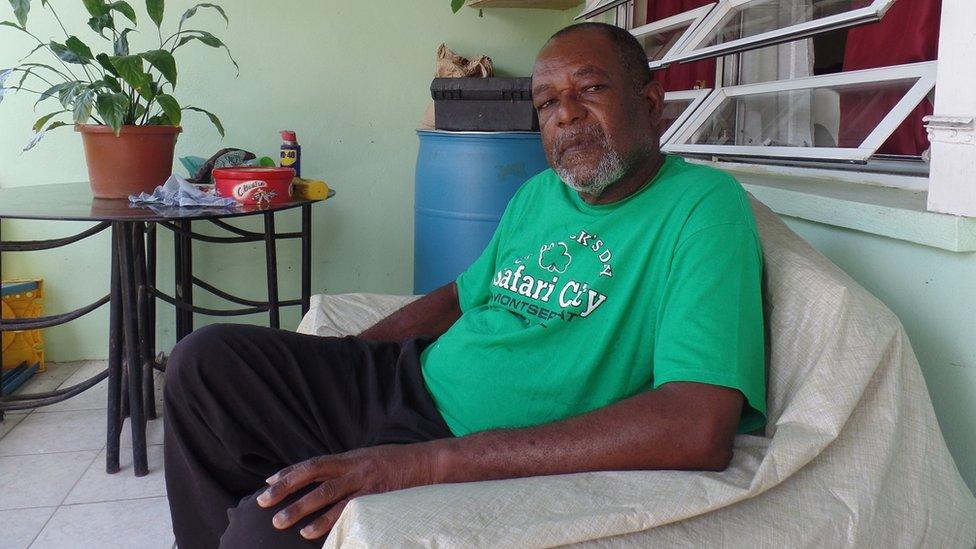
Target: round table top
(74, 202)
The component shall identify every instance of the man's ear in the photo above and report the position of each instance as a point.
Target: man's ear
(653, 92)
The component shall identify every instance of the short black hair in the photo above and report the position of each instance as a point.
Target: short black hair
(629, 51)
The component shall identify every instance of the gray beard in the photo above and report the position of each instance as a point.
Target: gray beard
(610, 169)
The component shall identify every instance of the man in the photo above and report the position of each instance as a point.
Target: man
(613, 322)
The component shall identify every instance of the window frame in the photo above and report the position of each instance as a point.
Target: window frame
(925, 73)
(693, 51)
(695, 16)
(600, 7)
(697, 97)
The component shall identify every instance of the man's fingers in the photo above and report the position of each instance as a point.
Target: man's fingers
(323, 495)
(291, 479)
(322, 525)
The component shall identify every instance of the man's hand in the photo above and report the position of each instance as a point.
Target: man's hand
(342, 477)
(681, 425)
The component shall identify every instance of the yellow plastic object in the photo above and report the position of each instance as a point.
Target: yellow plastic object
(28, 345)
(309, 189)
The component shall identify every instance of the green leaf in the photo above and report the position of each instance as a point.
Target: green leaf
(33, 51)
(96, 8)
(21, 9)
(456, 5)
(68, 92)
(50, 92)
(34, 140)
(213, 118)
(155, 9)
(208, 39)
(112, 83)
(4, 74)
(83, 103)
(100, 23)
(43, 120)
(164, 62)
(171, 107)
(65, 54)
(105, 61)
(111, 108)
(125, 9)
(79, 48)
(56, 124)
(130, 69)
(193, 11)
(121, 44)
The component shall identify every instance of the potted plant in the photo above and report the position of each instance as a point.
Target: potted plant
(121, 102)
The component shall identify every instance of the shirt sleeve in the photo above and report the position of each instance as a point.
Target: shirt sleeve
(473, 285)
(710, 325)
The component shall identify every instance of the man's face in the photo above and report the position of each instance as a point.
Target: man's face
(595, 125)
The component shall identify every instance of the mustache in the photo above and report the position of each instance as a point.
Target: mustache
(576, 136)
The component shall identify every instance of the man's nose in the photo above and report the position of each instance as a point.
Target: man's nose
(570, 110)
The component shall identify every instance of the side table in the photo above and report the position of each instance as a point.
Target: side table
(133, 292)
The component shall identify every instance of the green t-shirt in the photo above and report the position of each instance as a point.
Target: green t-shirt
(572, 307)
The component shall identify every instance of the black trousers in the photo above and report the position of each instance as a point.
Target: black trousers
(243, 402)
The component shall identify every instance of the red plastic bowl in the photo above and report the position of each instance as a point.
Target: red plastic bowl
(255, 185)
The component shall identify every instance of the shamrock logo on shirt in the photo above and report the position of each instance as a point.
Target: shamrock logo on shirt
(554, 257)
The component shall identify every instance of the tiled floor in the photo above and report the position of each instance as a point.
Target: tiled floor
(54, 491)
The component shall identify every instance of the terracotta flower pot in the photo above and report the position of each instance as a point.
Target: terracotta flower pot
(138, 160)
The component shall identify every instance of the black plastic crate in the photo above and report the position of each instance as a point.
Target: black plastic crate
(484, 104)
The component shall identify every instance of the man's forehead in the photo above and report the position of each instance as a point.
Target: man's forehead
(583, 52)
(539, 80)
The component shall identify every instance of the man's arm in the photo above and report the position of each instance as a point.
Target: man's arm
(431, 315)
(681, 425)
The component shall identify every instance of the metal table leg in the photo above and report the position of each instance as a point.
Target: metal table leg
(145, 356)
(129, 250)
(306, 257)
(115, 336)
(271, 258)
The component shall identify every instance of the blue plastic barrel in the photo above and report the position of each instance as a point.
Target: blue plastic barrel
(464, 180)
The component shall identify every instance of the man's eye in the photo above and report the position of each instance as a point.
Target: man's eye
(544, 104)
(595, 87)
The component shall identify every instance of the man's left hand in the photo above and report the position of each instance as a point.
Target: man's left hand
(345, 476)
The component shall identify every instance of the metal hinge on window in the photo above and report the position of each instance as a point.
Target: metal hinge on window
(951, 129)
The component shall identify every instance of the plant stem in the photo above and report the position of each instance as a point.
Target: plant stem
(50, 6)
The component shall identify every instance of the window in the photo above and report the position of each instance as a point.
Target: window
(754, 54)
(678, 107)
(792, 118)
(737, 25)
(664, 37)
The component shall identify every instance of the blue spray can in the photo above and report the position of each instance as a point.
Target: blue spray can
(291, 152)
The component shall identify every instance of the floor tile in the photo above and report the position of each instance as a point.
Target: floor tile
(137, 524)
(154, 431)
(45, 432)
(21, 526)
(40, 480)
(48, 380)
(94, 398)
(96, 485)
(9, 421)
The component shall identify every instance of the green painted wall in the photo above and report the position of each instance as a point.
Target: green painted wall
(351, 77)
(933, 292)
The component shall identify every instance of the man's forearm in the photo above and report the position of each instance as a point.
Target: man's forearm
(431, 315)
(660, 429)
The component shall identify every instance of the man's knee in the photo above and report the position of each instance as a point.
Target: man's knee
(203, 349)
(250, 526)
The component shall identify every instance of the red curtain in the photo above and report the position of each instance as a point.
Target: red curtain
(681, 76)
(908, 33)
